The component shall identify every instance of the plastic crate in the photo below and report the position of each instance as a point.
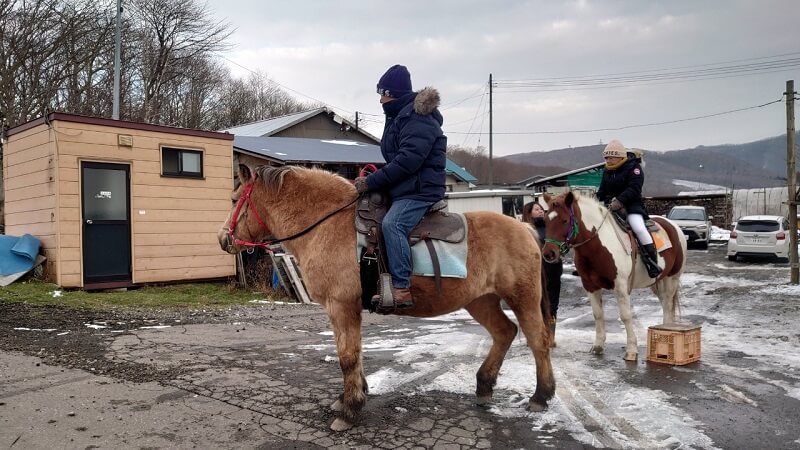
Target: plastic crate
(676, 344)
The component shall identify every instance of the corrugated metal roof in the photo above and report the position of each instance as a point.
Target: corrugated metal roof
(460, 172)
(302, 150)
(308, 151)
(565, 174)
(271, 126)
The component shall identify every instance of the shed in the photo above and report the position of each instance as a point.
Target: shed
(586, 179)
(119, 203)
(504, 201)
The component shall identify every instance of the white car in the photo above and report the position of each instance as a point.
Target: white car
(694, 223)
(759, 236)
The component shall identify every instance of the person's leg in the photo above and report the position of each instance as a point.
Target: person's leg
(401, 218)
(636, 222)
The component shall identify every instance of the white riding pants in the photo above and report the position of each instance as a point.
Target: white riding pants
(636, 221)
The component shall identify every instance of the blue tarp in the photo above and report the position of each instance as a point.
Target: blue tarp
(17, 254)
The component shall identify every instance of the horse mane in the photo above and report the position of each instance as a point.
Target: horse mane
(272, 177)
(314, 180)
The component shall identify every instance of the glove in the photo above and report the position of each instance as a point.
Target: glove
(616, 205)
(361, 184)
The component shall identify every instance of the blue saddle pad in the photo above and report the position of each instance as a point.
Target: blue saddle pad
(452, 257)
(17, 254)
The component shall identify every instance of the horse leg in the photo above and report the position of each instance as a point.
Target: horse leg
(626, 315)
(596, 299)
(537, 334)
(346, 322)
(667, 290)
(487, 312)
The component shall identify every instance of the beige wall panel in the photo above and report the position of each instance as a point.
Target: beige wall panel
(29, 132)
(69, 201)
(154, 179)
(27, 167)
(150, 203)
(69, 187)
(70, 281)
(34, 204)
(152, 167)
(68, 174)
(35, 229)
(180, 262)
(30, 192)
(103, 152)
(73, 214)
(70, 240)
(176, 239)
(100, 134)
(182, 192)
(38, 216)
(70, 254)
(153, 276)
(40, 151)
(69, 227)
(177, 228)
(70, 267)
(48, 241)
(160, 251)
(38, 177)
(160, 215)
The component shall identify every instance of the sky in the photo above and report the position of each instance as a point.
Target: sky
(334, 52)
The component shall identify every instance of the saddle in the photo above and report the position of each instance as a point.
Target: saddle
(437, 224)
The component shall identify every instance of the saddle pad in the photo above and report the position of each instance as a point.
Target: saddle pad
(660, 239)
(452, 257)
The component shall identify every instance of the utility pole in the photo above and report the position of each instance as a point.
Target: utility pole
(356, 120)
(794, 270)
(491, 168)
(117, 57)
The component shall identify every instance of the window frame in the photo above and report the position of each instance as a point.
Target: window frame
(181, 173)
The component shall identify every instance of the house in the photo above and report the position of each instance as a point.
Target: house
(586, 179)
(321, 138)
(119, 203)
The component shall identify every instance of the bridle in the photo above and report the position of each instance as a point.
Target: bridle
(574, 230)
(245, 198)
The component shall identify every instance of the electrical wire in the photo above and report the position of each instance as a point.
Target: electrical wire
(471, 96)
(625, 127)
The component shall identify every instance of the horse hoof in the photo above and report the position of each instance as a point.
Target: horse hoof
(597, 350)
(631, 356)
(341, 425)
(536, 407)
(337, 406)
(483, 400)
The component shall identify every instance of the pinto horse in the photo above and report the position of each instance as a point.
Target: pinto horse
(604, 261)
(313, 212)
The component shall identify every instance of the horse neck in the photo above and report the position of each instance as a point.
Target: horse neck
(595, 218)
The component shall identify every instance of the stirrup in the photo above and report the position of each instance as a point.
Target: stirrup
(383, 301)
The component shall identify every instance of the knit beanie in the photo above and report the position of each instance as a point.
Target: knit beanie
(396, 82)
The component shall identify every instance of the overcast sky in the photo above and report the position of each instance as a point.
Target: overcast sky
(336, 51)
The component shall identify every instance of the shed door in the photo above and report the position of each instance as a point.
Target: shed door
(106, 223)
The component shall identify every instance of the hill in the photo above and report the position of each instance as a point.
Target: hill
(755, 164)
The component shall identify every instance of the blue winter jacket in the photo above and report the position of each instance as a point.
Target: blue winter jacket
(414, 148)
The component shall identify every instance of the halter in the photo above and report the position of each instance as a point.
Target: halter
(245, 198)
(564, 246)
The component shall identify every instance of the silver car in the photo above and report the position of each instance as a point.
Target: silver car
(694, 223)
(759, 236)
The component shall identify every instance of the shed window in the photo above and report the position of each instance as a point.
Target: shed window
(179, 162)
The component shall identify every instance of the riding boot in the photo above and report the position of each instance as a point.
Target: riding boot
(553, 331)
(651, 260)
(390, 298)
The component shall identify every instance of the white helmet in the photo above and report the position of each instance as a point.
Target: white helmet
(615, 149)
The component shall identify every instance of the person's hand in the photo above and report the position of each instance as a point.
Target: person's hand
(616, 205)
(361, 184)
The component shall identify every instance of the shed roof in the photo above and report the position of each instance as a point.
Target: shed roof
(460, 172)
(269, 127)
(565, 174)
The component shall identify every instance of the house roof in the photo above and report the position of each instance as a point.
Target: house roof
(287, 150)
(565, 174)
(269, 127)
(308, 151)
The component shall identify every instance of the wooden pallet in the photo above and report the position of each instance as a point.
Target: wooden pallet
(289, 275)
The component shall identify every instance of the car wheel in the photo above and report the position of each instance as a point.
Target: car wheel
(732, 258)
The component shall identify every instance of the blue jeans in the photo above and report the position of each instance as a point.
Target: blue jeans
(398, 222)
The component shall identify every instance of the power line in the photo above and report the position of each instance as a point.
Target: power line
(625, 127)
(471, 96)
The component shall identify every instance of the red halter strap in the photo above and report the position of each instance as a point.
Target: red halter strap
(239, 204)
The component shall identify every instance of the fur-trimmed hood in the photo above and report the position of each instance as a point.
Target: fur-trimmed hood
(427, 101)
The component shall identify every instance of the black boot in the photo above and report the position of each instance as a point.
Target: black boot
(651, 260)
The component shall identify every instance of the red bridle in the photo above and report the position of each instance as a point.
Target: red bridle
(245, 198)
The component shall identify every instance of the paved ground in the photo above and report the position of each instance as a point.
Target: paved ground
(264, 376)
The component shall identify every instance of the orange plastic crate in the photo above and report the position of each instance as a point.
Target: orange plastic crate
(676, 344)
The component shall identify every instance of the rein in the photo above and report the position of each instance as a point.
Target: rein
(564, 246)
(245, 198)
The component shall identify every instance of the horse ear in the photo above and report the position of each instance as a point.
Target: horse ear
(546, 197)
(244, 173)
(569, 198)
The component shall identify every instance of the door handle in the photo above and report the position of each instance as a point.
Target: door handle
(89, 221)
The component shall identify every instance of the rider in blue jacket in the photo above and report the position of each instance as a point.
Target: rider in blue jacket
(414, 148)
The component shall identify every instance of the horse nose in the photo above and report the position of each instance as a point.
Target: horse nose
(549, 255)
(225, 242)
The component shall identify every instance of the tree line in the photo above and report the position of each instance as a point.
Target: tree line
(476, 162)
(58, 55)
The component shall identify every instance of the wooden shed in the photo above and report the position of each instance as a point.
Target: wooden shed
(119, 203)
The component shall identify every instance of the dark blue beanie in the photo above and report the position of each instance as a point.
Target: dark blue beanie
(396, 82)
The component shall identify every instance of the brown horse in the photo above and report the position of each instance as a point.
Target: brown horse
(605, 262)
(281, 202)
